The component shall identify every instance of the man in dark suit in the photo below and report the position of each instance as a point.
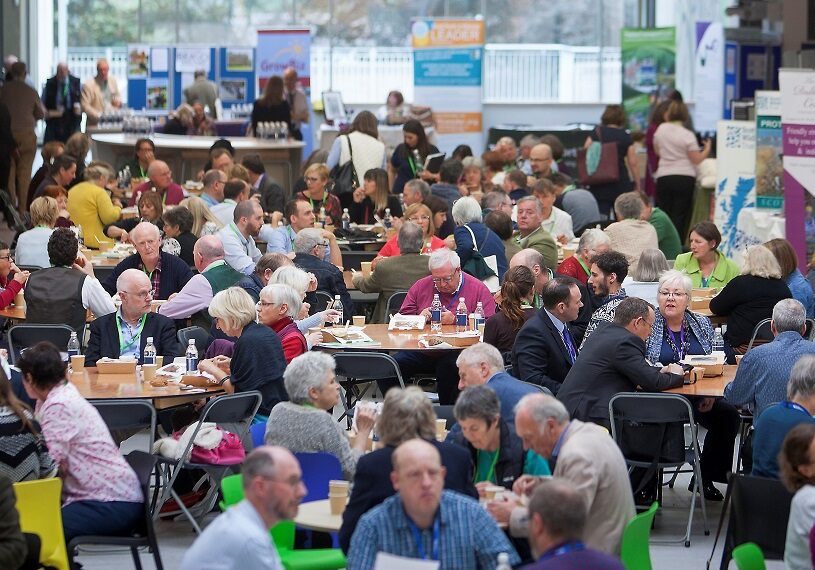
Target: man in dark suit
(272, 197)
(125, 332)
(613, 361)
(545, 347)
(168, 272)
(406, 414)
(62, 98)
(309, 247)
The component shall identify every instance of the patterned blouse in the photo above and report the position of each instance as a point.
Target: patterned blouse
(23, 456)
(91, 467)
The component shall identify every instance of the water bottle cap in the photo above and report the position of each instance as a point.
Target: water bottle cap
(149, 340)
(192, 342)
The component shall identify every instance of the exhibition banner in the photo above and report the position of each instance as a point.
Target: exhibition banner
(649, 69)
(280, 48)
(798, 131)
(447, 77)
(708, 91)
(735, 183)
(769, 146)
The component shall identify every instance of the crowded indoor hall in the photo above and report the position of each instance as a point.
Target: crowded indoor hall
(388, 286)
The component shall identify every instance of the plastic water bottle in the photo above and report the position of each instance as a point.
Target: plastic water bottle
(321, 217)
(192, 356)
(435, 314)
(461, 315)
(346, 219)
(387, 221)
(718, 340)
(149, 354)
(73, 345)
(479, 315)
(337, 306)
(503, 562)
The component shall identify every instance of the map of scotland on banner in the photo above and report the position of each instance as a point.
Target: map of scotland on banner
(735, 183)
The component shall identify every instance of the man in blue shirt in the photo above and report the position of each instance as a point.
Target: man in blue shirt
(424, 521)
(777, 420)
(239, 538)
(299, 215)
(762, 376)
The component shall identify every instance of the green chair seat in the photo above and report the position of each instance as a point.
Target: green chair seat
(748, 556)
(635, 551)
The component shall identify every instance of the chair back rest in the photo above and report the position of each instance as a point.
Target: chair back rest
(258, 432)
(29, 268)
(366, 365)
(318, 469)
(394, 304)
(128, 414)
(233, 412)
(762, 331)
(39, 503)
(202, 339)
(143, 465)
(759, 512)
(748, 556)
(322, 300)
(354, 259)
(538, 387)
(635, 552)
(24, 335)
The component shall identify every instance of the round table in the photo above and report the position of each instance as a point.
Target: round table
(316, 515)
(712, 387)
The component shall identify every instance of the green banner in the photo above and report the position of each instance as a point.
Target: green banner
(649, 70)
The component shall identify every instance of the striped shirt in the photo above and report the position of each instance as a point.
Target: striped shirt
(468, 537)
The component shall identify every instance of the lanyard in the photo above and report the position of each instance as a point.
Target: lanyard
(150, 274)
(136, 337)
(417, 536)
(574, 546)
(793, 406)
(705, 280)
(322, 203)
(491, 471)
(410, 162)
(583, 265)
(680, 347)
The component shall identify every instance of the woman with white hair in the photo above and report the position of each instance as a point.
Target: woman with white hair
(276, 308)
(592, 243)
(643, 281)
(302, 282)
(471, 235)
(257, 361)
(676, 333)
(305, 424)
(749, 298)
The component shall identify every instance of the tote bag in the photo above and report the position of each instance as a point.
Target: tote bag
(598, 164)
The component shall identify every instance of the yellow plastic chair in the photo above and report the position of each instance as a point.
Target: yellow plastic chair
(39, 503)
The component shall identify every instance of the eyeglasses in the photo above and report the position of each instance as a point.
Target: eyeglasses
(141, 294)
(8, 257)
(445, 280)
(417, 219)
(674, 294)
(311, 179)
(264, 304)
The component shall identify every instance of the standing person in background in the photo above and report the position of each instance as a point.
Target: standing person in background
(61, 98)
(393, 111)
(612, 129)
(368, 151)
(657, 118)
(408, 158)
(100, 94)
(202, 91)
(272, 196)
(272, 105)
(679, 155)
(25, 109)
(297, 100)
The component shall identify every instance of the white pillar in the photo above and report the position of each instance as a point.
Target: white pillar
(42, 38)
(62, 29)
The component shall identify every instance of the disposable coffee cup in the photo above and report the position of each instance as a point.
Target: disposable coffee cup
(359, 320)
(481, 330)
(338, 487)
(493, 492)
(159, 361)
(738, 359)
(19, 299)
(337, 503)
(441, 427)
(149, 372)
(568, 251)
(105, 245)
(366, 269)
(78, 363)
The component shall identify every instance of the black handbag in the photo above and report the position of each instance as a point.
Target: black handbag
(345, 177)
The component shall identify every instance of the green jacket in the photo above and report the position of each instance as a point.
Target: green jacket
(724, 271)
(541, 241)
(397, 273)
(669, 240)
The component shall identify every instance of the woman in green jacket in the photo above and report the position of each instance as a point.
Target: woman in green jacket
(704, 263)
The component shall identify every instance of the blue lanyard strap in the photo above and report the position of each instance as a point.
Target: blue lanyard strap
(417, 536)
(573, 546)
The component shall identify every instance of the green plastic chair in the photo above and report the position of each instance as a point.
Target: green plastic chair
(748, 556)
(635, 552)
(283, 536)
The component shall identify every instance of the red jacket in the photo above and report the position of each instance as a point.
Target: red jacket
(293, 341)
(172, 196)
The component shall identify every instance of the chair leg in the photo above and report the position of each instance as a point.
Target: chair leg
(134, 550)
(156, 555)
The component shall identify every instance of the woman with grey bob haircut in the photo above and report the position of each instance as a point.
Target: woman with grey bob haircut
(642, 282)
(471, 235)
(304, 423)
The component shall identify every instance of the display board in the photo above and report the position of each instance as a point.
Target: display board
(769, 151)
(708, 91)
(649, 71)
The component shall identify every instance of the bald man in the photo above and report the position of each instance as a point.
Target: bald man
(239, 538)
(168, 272)
(540, 157)
(214, 275)
(424, 521)
(125, 332)
(160, 178)
(100, 94)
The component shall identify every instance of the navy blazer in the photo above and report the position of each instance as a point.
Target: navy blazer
(104, 340)
(372, 482)
(174, 274)
(509, 390)
(329, 279)
(539, 355)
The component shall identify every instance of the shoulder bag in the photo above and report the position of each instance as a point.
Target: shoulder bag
(345, 176)
(599, 163)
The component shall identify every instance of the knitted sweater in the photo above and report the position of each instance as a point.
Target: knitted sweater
(23, 455)
(306, 429)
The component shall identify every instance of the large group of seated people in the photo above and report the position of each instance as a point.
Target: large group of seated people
(529, 403)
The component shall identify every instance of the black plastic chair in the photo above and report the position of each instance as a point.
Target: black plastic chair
(394, 304)
(543, 389)
(322, 302)
(202, 339)
(233, 412)
(363, 367)
(30, 268)
(759, 512)
(652, 414)
(128, 415)
(24, 335)
(604, 223)
(144, 534)
(353, 259)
